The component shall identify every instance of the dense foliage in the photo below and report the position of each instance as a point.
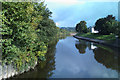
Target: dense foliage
(81, 27)
(26, 31)
(107, 25)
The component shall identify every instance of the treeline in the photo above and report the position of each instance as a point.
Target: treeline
(62, 33)
(71, 29)
(105, 26)
(26, 31)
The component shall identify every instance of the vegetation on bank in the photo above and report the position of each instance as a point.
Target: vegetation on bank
(98, 36)
(70, 29)
(63, 32)
(26, 32)
(108, 29)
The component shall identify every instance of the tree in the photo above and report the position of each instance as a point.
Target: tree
(26, 28)
(81, 27)
(106, 25)
(117, 29)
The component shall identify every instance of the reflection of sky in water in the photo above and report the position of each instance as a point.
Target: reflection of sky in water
(71, 64)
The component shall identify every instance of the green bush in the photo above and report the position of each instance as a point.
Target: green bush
(26, 31)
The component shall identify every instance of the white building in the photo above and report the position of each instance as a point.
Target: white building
(92, 30)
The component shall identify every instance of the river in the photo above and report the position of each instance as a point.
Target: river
(73, 58)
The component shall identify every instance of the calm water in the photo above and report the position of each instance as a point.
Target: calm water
(73, 58)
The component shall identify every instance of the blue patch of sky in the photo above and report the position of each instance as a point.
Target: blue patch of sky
(68, 15)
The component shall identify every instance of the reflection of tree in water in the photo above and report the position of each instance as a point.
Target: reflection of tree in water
(107, 58)
(43, 69)
(103, 55)
(50, 61)
(81, 46)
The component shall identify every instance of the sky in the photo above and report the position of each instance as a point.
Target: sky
(67, 13)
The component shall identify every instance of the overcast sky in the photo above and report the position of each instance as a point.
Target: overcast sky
(67, 13)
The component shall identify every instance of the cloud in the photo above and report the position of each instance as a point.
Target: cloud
(57, 24)
(68, 15)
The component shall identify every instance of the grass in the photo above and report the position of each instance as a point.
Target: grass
(98, 36)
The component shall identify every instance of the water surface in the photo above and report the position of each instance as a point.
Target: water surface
(73, 58)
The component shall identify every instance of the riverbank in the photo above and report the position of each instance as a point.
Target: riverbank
(9, 71)
(112, 44)
(98, 36)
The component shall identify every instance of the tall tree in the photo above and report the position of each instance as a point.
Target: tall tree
(81, 27)
(106, 25)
